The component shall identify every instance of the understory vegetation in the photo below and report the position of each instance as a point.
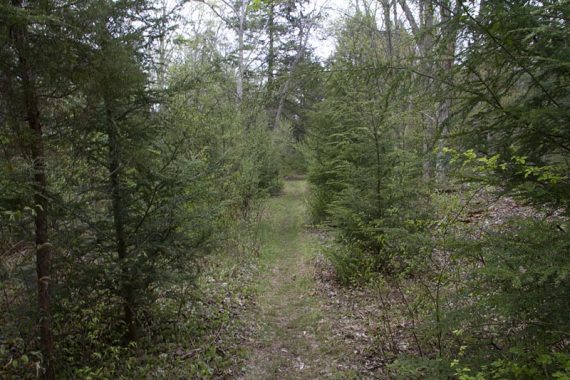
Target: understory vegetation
(421, 133)
(141, 140)
(129, 175)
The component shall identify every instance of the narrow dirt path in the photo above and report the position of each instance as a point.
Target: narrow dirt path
(293, 339)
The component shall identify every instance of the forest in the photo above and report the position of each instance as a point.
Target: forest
(285, 189)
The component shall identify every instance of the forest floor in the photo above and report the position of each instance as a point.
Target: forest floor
(302, 324)
(293, 337)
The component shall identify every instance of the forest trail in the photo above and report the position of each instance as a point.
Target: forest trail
(293, 339)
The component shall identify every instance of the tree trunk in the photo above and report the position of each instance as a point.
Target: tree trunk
(422, 24)
(127, 289)
(444, 111)
(304, 33)
(271, 52)
(41, 198)
(271, 64)
(388, 25)
(43, 247)
(241, 47)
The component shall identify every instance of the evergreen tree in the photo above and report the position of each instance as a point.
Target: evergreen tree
(516, 101)
(364, 165)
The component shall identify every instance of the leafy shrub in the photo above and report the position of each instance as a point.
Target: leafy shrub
(503, 306)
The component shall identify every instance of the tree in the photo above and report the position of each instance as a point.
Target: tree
(131, 180)
(364, 162)
(515, 101)
(289, 27)
(435, 33)
(237, 21)
(120, 104)
(28, 73)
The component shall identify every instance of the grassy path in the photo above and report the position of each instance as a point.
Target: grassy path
(293, 334)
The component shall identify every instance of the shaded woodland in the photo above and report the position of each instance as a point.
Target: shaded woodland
(144, 143)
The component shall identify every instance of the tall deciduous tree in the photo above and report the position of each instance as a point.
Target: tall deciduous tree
(433, 26)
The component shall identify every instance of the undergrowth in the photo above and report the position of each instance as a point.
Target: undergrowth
(192, 330)
(481, 294)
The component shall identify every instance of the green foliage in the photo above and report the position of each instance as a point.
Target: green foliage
(554, 366)
(352, 265)
(182, 170)
(152, 166)
(512, 135)
(513, 105)
(291, 152)
(366, 173)
(421, 368)
(521, 288)
(484, 301)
